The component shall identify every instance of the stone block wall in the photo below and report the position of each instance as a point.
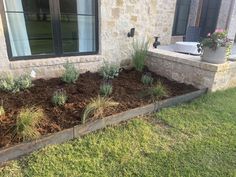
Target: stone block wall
(116, 18)
(190, 70)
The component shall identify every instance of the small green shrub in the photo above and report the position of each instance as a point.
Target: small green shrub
(11, 84)
(24, 82)
(96, 107)
(59, 98)
(157, 92)
(8, 84)
(109, 71)
(147, 79)
(71, 74)
(2, 111)
(140, 54)
(27, 122)
(106, 89)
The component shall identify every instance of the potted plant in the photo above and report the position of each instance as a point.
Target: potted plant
(215, 47)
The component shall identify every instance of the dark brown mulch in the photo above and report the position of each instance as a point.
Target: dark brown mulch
(126, 90)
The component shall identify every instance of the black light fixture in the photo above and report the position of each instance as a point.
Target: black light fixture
(156, 43)
(132, 32)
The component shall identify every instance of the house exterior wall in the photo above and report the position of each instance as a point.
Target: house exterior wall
(116, 18)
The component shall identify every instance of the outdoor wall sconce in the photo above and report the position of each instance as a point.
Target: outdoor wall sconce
(131, 33)
(156, 43)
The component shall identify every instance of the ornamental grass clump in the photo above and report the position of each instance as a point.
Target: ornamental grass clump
(71, 74)
(59, 98)
(106, 89)
(27, 123)
(156, 92)
(109, 71)
(96, 107)
(140, 54)
(147, 79)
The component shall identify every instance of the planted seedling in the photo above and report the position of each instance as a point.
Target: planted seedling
(71, 74)
(59, 98)
(147, 79)
(109, 71)
(106, 89)
(156, 92)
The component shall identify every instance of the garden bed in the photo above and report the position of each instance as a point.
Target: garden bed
(127, 89)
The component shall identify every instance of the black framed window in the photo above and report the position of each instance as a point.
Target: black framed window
(181, 17)
(37, 28)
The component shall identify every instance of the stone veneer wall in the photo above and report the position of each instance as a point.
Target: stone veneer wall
(149, 17)
(116, 18)
(190, 70)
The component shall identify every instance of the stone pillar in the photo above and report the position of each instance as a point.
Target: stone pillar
(224, 14)
(193, 13)
(232, 23)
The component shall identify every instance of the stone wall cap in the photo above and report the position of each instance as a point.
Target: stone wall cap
(190, 60)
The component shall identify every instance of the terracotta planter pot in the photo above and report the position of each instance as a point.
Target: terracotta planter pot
(217, 56)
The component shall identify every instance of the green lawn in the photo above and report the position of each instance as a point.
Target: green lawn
(197, 139)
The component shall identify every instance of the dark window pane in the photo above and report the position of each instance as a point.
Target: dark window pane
(181, 27)
(32, 29)
(29, 33)
(36, 6)
(39, 33)
(29, 36)
(69, 30)
(183, 13)
(181, 17)
(209, 16)
(68, 6)
(78, 26)
(27, 6)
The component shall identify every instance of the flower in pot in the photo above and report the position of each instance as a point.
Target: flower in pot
(215, 47)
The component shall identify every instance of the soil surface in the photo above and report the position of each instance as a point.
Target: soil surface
(127, 89)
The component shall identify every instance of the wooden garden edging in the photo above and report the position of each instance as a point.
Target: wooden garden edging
(81, 130)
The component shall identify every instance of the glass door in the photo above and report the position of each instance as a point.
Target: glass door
(181, 17)
(209, 16)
